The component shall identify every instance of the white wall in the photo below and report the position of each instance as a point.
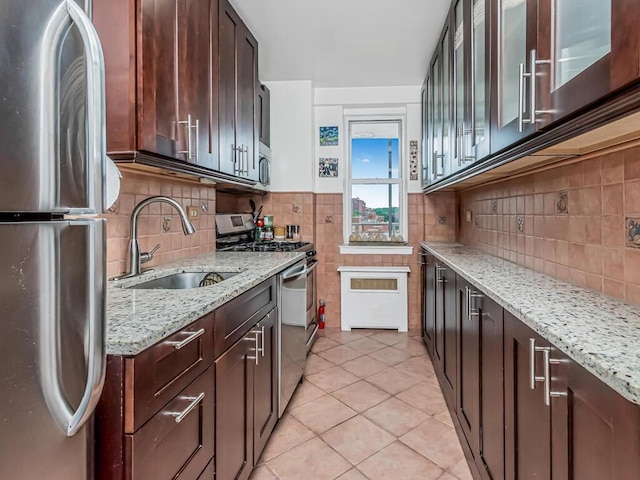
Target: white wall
(297, 113)
(332, 105)
(291, 136)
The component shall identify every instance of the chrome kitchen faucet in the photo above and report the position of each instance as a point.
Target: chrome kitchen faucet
(136, 259)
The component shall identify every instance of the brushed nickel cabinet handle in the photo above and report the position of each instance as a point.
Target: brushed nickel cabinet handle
(533, 379)
(188, 340)
(195, 401)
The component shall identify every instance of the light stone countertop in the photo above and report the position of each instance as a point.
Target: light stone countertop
(599, 332)
(137, 319)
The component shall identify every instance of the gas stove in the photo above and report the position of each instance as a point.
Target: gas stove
(266, 247)
(235, 234)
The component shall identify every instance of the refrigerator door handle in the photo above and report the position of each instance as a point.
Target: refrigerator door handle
(96, 110)
(72, 421)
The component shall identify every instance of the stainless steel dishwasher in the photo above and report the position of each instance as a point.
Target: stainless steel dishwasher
(292, 326)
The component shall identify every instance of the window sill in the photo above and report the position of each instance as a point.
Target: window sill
(376, 250)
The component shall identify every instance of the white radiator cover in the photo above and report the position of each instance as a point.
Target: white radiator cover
(374, 297)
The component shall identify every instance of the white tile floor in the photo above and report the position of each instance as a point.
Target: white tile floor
(370, 408)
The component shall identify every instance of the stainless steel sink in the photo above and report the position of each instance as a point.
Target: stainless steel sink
(185, 280)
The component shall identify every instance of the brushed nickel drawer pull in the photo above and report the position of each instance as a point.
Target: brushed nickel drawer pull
(188, 340)
(533, 378)
(195, 401)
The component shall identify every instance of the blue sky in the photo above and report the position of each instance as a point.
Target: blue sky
(370, 159)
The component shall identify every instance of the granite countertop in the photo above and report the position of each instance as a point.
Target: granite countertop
(600, 333)
(137, 319)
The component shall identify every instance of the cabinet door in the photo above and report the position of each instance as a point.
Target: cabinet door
(596, 432)
(158, 78)
(194, 85)
(593, 47)
(234, 410)
(228, 34)
(450, 362)
(527, 418)
(461, 89)
(468, 394)
(438, 341)
(437, 156)
(426, 110)
(491, 448)
(247, 78)
(266, 384)
(446, 47)
(263, 114)
(428, 301)
(515, 24)
(477, 133)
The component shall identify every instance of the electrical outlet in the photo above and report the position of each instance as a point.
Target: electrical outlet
(468, 216)
(193, 213)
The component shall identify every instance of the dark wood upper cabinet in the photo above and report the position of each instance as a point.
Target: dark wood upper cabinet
(426, 114)
(515, 28)
(586, 51)
(159, 89)
(238, 80)
(263, 114)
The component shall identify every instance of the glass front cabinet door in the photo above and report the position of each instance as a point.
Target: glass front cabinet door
(478, 134)
(461, 88)
(589, 49)
(427, 131)
(514, 23)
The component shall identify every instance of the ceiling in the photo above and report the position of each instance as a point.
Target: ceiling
(345, 43)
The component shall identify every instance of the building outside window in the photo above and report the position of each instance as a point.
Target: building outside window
(375, 182)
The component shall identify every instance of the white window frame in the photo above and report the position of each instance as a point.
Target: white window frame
(401, 181)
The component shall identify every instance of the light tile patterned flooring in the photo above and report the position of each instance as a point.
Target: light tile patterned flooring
(369, 408)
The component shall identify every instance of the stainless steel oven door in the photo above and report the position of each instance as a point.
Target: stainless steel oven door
(292, 322)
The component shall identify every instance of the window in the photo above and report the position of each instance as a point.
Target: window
(376, 187)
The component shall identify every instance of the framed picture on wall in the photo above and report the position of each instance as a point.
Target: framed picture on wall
(328, 168)
(328, 136)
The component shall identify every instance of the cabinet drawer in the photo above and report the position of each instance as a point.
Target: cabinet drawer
(156, 376)
(235, 318)
(177, 443)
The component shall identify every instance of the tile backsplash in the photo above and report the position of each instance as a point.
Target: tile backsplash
(577, 222)
(159, 223)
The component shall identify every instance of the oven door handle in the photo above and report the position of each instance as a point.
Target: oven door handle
(313, 266)
(295, 272)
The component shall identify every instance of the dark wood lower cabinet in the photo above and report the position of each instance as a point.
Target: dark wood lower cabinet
(234, 410)
(265, 400)
(428, 298)
(491, 452)
(523, 410)
(527, 418)
(246, 400)
(450, 341)
(445, 343)
(177, 443)
(595, 431)
(480, 400)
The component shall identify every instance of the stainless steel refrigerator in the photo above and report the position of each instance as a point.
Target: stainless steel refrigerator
(52, 248)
